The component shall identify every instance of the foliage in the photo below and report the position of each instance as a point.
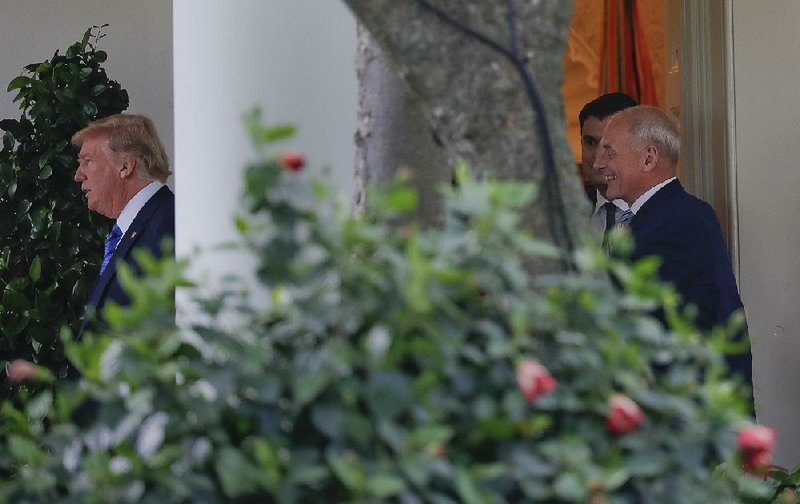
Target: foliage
(49, 241)
(385, 369)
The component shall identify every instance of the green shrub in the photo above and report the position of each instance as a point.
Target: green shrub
(384, 370)
(49, 242)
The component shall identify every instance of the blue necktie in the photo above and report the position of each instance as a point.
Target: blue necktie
(626, 218)
(111, 245)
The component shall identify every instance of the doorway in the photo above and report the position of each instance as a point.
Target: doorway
(690, 66)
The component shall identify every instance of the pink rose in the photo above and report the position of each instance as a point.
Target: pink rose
(624, 415)
(758, 463)
(21, 370)
(756, 438)
(293, 160)
(755, 444)
(534, 380)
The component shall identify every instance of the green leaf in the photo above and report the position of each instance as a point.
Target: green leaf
(40, 405)
(568, 487)
(25, 450)
(276, 133)
(237, 475)
(401, 198)
(45, 172)
(308, 386)
(384, 486)
(18, 82)
(467, 489)
(348, 470)
(35, 271)
(89, 109)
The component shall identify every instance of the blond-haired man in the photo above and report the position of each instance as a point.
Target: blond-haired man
(122, 169)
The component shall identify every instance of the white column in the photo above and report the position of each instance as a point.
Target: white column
(294, 59)
(766, 110)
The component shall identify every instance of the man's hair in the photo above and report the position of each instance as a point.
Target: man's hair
(131, 134)
(652, 126)
(606, 105)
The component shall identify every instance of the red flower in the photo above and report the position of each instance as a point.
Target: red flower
(755, 444)
(293, 160)
(756, 438)
(534, 380)
(21, 370)
(624, 415)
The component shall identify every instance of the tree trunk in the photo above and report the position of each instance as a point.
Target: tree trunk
(486, 75)
(393, 134)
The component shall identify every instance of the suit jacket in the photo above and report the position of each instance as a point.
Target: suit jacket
(154, 222)
(685, 233)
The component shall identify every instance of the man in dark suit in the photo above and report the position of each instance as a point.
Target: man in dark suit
(638, 158)
(122, 169)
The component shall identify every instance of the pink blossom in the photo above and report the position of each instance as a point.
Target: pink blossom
(534, 380)
(624, 415)
(293, 160)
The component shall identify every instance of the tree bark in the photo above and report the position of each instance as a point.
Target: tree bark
(393, 134)
(487, 76)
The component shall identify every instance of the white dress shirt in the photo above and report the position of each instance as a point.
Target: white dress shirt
(641, 200)
(599, 214)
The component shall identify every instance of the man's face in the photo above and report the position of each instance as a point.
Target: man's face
(591, 132)
(620, 163)
(99, 175)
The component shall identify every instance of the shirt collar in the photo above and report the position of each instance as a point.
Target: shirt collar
(602, 201)
(136, 203)
(641, 200)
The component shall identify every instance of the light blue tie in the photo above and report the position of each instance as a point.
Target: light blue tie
(111, 245)
(626, 218)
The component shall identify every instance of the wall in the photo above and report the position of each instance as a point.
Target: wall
(139, 47)
(767, 111)
(293, 58)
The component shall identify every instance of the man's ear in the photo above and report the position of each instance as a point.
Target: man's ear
(128, 167)
(650, 158)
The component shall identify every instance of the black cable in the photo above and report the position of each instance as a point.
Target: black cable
(558, 225)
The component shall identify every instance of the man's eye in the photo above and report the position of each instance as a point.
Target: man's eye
(589, 142)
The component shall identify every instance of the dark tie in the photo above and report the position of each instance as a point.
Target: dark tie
(111, 244)
(611, 220)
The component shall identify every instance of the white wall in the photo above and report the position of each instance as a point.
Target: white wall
(139, 47)
(767, 115)
(293, 58)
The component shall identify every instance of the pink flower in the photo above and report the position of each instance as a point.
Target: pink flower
(758, 463)
(624, 415)
(293, 160)
(755, 444)
(21, 370)
(756, 438)
(534, 380)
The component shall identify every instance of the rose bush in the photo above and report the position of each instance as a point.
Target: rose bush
(392, 364)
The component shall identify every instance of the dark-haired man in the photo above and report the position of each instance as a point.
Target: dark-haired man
(593, 118)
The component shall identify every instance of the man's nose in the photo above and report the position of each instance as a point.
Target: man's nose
(599, 163)
(78, 177)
